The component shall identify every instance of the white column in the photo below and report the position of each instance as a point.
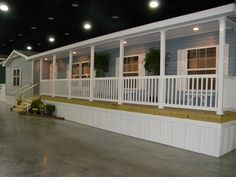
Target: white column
(222, 34)
(70, 73)
(53, 75)
(120, 81)
(162, 70)
(40, 74)
(92, 52)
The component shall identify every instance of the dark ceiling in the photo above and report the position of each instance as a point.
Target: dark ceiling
(16, 24)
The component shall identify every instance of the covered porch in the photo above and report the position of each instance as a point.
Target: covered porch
(197, 61)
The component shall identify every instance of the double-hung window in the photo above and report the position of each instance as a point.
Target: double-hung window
(16, 77)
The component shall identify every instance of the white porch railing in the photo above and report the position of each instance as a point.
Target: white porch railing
(191, 91)
(80, 88)
(105, 89)
(141, 90)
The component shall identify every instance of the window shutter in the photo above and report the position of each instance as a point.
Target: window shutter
(141, 69)
(117, 66)
(182, 62)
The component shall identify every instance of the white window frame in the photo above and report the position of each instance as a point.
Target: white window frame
(16, 77)
(80, 74)
(141, 70)
(131, 72)
(203, 47)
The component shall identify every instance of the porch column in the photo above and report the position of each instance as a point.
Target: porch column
(53, 75)
(222, 33)
(70, 73)
(162, 70)
(120, 78)
(92, 51)
(40, 74)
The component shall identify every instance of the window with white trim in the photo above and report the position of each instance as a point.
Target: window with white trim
(131, 65)
(201, 61)
(16, 77)
(81, 70)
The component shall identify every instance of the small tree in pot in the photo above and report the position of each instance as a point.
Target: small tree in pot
(152, 61)
(101, 60)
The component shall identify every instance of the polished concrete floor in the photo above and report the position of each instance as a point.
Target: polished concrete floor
(33, 147)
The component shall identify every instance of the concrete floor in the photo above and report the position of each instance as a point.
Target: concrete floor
(32, 147)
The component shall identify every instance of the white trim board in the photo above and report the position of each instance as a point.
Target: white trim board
(197, 136)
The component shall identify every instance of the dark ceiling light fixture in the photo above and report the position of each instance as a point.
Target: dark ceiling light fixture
(39, 44)
(75, 4)
(66, 34)
(4, 45)
(51, 18)
(115, 17)
(20, 34)
(33, 27)
(11, 40)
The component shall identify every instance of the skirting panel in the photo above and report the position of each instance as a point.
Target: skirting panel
(196, 136)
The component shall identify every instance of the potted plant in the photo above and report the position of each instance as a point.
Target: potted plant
(101, 61)
(50, 109)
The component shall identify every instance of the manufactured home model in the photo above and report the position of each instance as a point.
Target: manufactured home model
(197, 71)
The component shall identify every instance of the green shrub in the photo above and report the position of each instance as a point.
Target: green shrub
(50, 109)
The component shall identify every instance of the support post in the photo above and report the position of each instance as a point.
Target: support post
(70, 73)
(161, 93)
(40, 75)
(120, 79)
(92, 52)
(53, 75)
(222, 31)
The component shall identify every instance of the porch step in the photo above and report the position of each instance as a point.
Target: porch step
(25, 105)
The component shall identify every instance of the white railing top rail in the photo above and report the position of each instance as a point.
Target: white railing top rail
(15, 92)
(192, 76)
(26, 89)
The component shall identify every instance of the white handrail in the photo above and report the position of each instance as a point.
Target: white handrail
(20, 89)
(28, 88)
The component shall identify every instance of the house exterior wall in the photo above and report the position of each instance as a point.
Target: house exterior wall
(172, 47)
(26, 74)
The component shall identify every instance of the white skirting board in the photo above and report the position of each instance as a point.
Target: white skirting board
(212, 139)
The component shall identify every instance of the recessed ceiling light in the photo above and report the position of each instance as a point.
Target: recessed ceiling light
(11, 40)
(66, 34)
(87, 26)
(45, 59)
(20, 34)
(4, 7)
(51, 39)
(125, 42)
(74, 52)
(28, 47)
(115, 17)
(75, 5)
(39, 44)
(196, 29)
(33, 27)
(51, 18)
(153, 4)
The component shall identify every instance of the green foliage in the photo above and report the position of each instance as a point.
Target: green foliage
(37, 106)
(19, 99)
(50, 109)
(152, 61)
(101, 62)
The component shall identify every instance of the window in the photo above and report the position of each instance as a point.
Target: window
(131, 66)
(81, 70)
(201, 61)
(85, 69)
(16, 76)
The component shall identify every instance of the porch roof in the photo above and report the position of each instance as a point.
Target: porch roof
(172, 23)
